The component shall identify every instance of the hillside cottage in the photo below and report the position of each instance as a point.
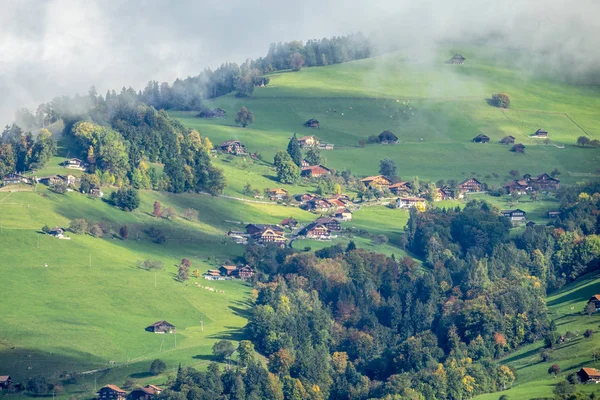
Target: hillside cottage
(13, 179)
(212, 274)
(519, 187)
(111, 392)
(289, 222)
(545, 182)
(161, 327)
(144, 393)
(514, 215)
(303, 198)
(228, 270)
(316, 231)
(377, 181)
(5, 381)
(252, 229)
(75, 163)
(96, 192)
(216, 113)
(481, 138)
(245, 272)
(445, 193)
(408, 202)
(589, 375)
(518, 148)
(457, 59)
(269, 235)
(312, 123)
(277, 194)
(234, 147)
(316, 205)
(308, 141)
(387, 137)
(470, 185)
(325, 146)
(343, 215)
(331, 224)
(315, 171)
(507, 140)
(540, 134)
(304, 164)
(400, 188)
(595, 300)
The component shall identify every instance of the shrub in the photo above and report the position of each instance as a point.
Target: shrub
(501, 100)
(190, 214)
(223, 349)
(96, 230)
(78, 225)
(60, 187)
(157, 367)
(588, 333)
(127, 199)
(150, 264)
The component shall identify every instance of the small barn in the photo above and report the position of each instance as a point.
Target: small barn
(589, 375)
(518, 148)
(595, 300)
(5, 381)
(315, 171)
(508, 140)
(312, 123)
(456, 59)
(481, 138)
(540, 133)
(161, 327)
(207, 113)
(228, 270)
(387, 137)
(289, 222)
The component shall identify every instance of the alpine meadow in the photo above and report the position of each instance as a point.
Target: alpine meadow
(341, 218)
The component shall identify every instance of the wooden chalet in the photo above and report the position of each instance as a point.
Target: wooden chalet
(251, 229)
(245, 272)
(481, 138)
(215, 273)
(335, 203)
(377, 181)
(312, 123)
(315, 171)
(228, 270)
(304, 164)
(5, 381)
(316, 231)
(540, 133)
(75, 163)
(161, 327)
(269, 235)
(216, 113)
(309, 141)
(234, 147)
(56, 232)
(400, 188)
(595, 299)
(316, 205)
(445, 193)
(13, 179)
(144, 393)
(545, 182)
(514, 215)
(343, 215)
(507, 140)
(518, 148)
(456, 59)
(589, 375)
(289, 222)
(520, 186)
(277, 194)
(331, 224)
(408, 202)
(553, 214)
(110, 392)
(387, 137)
(303, 198)
(470, 185)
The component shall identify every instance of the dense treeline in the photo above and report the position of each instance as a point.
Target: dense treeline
(20, 151)
(351, 324)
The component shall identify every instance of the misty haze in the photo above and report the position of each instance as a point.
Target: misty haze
(300, 201)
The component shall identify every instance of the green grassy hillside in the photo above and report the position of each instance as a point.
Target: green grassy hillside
(566, 308)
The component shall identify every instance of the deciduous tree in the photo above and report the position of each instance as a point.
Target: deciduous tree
(244, 117)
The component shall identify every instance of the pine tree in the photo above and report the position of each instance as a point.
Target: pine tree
(294, 151)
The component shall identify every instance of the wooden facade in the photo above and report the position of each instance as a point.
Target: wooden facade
(408, 202)
(309, 141)
(376, 181)
(514, 215)
(331, 224)
(481, 138)
(161, 327)
(111, 392)
(315, 171)
(589, 375)
(312, 123)
(470, 185)
(234, 147)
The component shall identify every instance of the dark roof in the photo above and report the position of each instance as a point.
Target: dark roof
(388, 136)
(115, 388)
(468, 179)
(458, 57)
(4, 378)
(229, 142)
(159, 323)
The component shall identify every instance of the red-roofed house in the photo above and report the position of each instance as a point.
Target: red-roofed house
(315, 171)
(589, 375)
(111, 392)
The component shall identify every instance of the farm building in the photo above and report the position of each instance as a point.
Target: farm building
(111, 392)
(232, 147)
(289, 222)
(144, 393)
(470, 185)
(216, 113)
(277, 194)
(336, 203)
(251, 229)
(96, 192)
(445, 193)
(56, 232)
(507, 140)
(5, 381)
(518, 148)
(540, 133)
(325, 146)
(331, 224)
(13, 179)
(514, 215)
(312, 123)
(228, 270)
(269, 235)
(245, 272)
(399, 188)
(316, 205)
(545, 182)
(408, 202)
(481, 138)
(343, 215)
(303, 198)
(519, 187)
(213, 273)
(595, 299)
(387, 137)
(588, 375)
(161, 327)
(553, 214)
(376, 181)
(75, 163)
(316, 231)
(456, 59)
(309, 141)
(315, 171)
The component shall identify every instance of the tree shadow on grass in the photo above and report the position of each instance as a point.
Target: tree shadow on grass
(271, 178)
(140, 375)
(521, 356)
(241, 312)
(230, 333)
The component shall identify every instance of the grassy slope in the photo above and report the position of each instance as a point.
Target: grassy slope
(565, 307)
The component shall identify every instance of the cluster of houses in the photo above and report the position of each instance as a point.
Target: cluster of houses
(539, 134)
(322, 228)
(338, 204)
(230, 271)
(208, 113)
(530, 183)
(113, 392)
(260, 234)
